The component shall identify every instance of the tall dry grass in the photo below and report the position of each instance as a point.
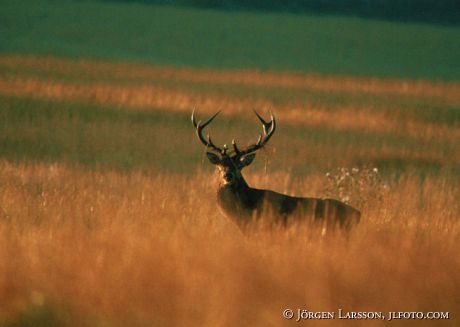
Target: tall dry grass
(85, 244)
(96, 247)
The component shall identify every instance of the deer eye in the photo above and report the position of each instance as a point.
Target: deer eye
(229, 177)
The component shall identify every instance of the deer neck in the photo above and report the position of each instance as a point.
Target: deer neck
(239, 187)
(238, 201)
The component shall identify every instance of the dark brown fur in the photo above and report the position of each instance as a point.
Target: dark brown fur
(244, 204)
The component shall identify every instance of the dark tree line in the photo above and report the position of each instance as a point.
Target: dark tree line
(432, 11)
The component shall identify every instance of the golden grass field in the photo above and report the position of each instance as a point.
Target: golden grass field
(101, 244)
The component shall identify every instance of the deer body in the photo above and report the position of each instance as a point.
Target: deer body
(244, 204)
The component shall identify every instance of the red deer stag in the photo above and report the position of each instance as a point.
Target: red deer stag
(243, 204)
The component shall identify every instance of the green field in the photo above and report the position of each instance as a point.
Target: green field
(231, 40)
(119, 115)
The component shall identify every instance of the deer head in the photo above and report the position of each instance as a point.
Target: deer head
(231, 161)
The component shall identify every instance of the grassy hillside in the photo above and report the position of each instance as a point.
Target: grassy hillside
(120, 114)
(230, 40)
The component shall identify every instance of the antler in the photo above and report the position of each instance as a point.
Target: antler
(199, 129)
(269, 129)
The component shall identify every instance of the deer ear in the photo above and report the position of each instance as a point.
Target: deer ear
(247, 160)
(214, 158)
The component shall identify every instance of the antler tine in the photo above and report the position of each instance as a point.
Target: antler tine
(268, 129)
(206, 123)
(199, 131)
(210, 144)
(235, 147)
(266, 125)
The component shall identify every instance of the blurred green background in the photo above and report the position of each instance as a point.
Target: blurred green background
(202, 34)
